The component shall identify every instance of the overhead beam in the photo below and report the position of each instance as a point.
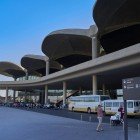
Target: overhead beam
(116, 60)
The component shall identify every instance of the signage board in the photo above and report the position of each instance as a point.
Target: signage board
(131, 88)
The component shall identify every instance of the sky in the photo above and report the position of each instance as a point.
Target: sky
(25, 23)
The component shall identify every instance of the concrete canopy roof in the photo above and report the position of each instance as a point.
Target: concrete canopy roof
(69, 46)
(118, 23)
(37, 64)
(11, 69)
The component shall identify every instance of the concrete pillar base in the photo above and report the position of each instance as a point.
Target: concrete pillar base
(64, 93)
(6, 96)
(104, 90)
(46, 94)
(94, 84)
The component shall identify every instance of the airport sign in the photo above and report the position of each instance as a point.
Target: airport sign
(131, 88)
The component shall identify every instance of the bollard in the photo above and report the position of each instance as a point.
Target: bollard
(89, 118)
(110, 123)
(123, 126)
(138, 127)
(81, 117)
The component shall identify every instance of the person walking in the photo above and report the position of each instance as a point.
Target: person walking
(100, 118)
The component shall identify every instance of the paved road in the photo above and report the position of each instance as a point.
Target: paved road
(26, 125)
(132, 122)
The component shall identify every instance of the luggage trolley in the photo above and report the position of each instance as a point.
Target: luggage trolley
(116, 119)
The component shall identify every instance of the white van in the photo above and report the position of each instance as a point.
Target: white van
(112, 106)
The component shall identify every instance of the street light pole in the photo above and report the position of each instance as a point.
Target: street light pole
(125, 121)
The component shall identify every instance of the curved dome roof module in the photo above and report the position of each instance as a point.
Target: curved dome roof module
(69, 47)
(11, 70)
(37, 64)
(118, 23)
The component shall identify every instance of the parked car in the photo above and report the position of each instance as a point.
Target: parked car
(22, 104)
(49, 106)
(38, 105)
(16, 104)
(8, 104)
(31, 105)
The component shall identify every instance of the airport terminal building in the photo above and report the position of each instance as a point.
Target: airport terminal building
(94, 59)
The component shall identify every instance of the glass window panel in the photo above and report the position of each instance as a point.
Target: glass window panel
(108, 104)
(136, 104)
(116, 104)
(130, 104)
(96, 99)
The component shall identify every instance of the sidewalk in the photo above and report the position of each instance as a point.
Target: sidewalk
(25, 125)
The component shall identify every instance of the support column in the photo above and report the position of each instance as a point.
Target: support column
(27, 75)
(46, 86)
(94, 48)
(43, 97)
(47, 66)
(14, 93)
(94, 55)
(46, 94)
(6, 96)
(80, 90)
(64, 92)
(103, 89)
(94, 84)
(26, 78)
(14, 96)
(93, 34)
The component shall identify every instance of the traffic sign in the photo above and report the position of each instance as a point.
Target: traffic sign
(131, 88)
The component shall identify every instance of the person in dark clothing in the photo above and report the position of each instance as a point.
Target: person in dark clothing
(121, 110)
